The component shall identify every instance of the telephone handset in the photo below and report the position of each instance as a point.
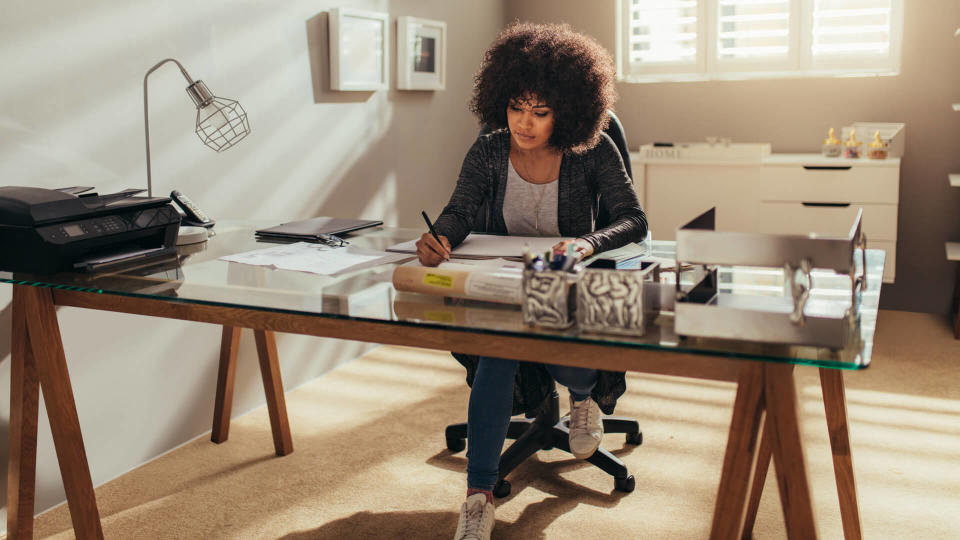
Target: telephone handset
(194, 216)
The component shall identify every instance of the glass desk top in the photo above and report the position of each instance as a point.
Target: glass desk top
(196, 275)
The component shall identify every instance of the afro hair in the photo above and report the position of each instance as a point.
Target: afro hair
(569, 72)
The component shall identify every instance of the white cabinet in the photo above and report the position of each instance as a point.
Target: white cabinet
(780, 194)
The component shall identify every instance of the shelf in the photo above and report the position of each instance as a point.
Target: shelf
(953, 251)
(955, 179)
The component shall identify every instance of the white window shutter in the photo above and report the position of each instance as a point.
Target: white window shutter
(855, 33)
(715, 39)
(753, 29)
(663, 36)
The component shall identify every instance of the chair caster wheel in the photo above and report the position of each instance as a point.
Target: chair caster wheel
(456, 445)
(502, 489)
(625, 485)
(635, 438)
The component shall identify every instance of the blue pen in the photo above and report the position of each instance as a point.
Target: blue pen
(558, 261)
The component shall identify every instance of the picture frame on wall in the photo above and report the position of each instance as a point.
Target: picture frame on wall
(421, 54)
(359, 55)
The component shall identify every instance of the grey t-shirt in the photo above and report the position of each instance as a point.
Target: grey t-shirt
(530, 209)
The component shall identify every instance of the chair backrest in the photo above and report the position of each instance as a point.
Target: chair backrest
(615, 131)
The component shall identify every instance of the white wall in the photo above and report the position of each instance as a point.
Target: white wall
(71, 114)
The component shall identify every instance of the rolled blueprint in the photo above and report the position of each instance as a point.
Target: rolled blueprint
(491, 284)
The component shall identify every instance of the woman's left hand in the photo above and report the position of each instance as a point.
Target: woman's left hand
(583, 248)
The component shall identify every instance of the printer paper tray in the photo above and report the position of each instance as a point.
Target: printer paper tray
(120, 258)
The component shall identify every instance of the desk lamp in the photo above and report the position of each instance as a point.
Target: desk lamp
(221, 123)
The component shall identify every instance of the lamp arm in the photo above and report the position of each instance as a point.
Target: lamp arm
(146, 117)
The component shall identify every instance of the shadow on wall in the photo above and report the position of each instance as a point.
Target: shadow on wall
(318, 44)
(317, 147)
(369, 170)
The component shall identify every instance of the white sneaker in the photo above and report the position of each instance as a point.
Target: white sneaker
(586, 427)
(476, 518)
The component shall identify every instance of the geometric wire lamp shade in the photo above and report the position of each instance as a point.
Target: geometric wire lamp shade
(221, 122)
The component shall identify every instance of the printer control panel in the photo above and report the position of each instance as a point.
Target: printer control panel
(86, 228)
(105, 225)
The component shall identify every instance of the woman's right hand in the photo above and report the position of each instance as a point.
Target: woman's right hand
(430, 252)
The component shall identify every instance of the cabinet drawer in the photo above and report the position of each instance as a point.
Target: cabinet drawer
(675, 194)
(781, 217)
(831, 184)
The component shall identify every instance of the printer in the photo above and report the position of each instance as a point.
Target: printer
(43, 231)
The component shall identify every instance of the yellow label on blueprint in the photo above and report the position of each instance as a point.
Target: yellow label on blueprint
(438, 281)
(439, 316)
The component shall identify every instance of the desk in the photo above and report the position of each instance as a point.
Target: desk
(201, 288)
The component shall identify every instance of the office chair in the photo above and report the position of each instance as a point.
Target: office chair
(547, 430)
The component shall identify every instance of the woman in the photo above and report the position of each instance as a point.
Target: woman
(547, 169)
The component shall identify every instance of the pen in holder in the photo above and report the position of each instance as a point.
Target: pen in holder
(617, 301)
(549, 298)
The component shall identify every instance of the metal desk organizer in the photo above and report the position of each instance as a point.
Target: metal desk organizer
(549, 298)
(703, 310)
(617, 301)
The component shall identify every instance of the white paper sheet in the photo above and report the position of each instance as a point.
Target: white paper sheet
(315, 258)
(490, 245)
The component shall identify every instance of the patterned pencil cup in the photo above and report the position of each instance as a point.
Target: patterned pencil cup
(616, 301)
(549, 298)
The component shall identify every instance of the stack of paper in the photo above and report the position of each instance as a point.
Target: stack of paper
(315, 258)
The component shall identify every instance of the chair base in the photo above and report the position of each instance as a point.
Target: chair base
(549, 431)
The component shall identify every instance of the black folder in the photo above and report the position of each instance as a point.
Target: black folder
(314, 229)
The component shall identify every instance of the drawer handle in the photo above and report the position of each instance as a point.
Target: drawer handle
(827, 167)
(827, 204)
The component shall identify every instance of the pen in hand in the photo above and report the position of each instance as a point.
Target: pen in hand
(433, 232)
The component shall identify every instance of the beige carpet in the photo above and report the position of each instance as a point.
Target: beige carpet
(370, 459)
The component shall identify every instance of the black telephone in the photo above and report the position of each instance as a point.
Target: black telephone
(194, 216)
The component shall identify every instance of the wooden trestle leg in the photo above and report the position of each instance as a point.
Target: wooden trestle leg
(39, 358)
(229, 344)
(24, 406)
(765, 394)
(835, 405)
(272, 385)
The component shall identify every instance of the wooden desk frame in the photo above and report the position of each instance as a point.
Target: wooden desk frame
(764, 424)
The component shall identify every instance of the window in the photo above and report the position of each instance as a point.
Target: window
(731, 39)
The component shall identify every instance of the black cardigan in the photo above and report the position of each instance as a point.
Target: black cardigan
(591, 184)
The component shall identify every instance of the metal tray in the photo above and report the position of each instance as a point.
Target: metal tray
(702, 310)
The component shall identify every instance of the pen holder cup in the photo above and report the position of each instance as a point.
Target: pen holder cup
(549, 298)
(618, 301)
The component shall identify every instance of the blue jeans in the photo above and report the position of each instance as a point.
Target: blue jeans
(491, 402)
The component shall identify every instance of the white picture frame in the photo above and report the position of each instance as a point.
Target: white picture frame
(421, 54)
(359, 55)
